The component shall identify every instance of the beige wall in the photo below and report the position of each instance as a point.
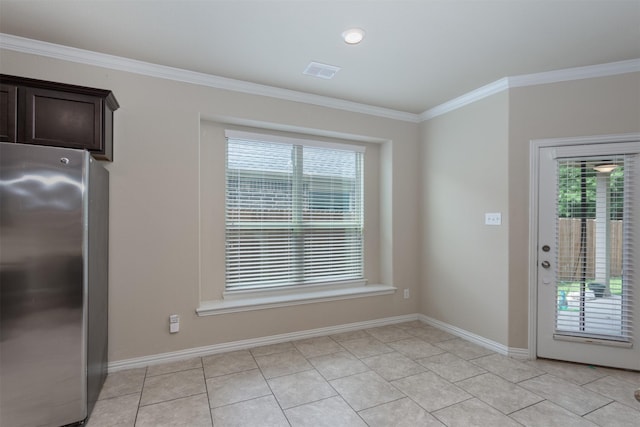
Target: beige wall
(475, 160)
(464, 268)
(155, 207)
(435, 181)
(598, 106)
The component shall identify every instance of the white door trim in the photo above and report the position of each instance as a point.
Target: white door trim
(535, 145)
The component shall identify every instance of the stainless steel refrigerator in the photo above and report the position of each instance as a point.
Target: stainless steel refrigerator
(53, 284)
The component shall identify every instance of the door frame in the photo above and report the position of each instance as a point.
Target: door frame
(535, 146)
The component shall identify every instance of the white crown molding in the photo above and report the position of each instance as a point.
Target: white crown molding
(466, 99)
(577, 73)
(66, 53)
(81, 56)
(556, 76)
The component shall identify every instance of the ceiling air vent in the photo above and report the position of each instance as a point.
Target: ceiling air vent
(322, 71)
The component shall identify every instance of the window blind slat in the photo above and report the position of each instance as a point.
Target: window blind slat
(594, 276)
(294, 213)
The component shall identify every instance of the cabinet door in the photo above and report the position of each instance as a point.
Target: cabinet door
(63, 119)
(8, 110)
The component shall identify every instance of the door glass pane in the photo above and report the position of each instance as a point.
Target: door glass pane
(592, 232)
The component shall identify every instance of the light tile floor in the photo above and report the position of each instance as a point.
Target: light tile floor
(408, 374)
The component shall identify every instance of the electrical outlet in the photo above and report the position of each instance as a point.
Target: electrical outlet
(406, 293)
(493, 218)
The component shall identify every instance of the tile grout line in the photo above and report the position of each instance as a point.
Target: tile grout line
(206, 388)
(269, 385)
(529, 406)
(451, 405)
(144, 380)
(597, 409)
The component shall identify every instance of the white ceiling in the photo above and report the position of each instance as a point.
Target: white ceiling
(416, 54)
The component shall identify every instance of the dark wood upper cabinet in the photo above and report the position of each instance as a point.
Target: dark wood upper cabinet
(8, 109)
(56, 114)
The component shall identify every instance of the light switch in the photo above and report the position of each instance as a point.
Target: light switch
(493, 218)
(174, 323)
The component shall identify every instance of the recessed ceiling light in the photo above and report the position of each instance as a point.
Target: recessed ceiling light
(353, 35)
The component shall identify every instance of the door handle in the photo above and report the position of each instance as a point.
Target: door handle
(545, 264)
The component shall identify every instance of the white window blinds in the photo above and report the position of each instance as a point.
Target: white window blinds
(595, 278)
(294, 212)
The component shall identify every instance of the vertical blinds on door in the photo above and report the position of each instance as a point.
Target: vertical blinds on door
(594, 276)
(294, 212)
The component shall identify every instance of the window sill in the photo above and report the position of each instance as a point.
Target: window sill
(260, 300)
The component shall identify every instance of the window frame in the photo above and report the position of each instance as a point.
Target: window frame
(301, 222)
(212, 299)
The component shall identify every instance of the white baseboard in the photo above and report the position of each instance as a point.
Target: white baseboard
(518, 353)
(155, 359)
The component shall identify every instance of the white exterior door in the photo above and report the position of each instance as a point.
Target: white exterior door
(588, 253)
